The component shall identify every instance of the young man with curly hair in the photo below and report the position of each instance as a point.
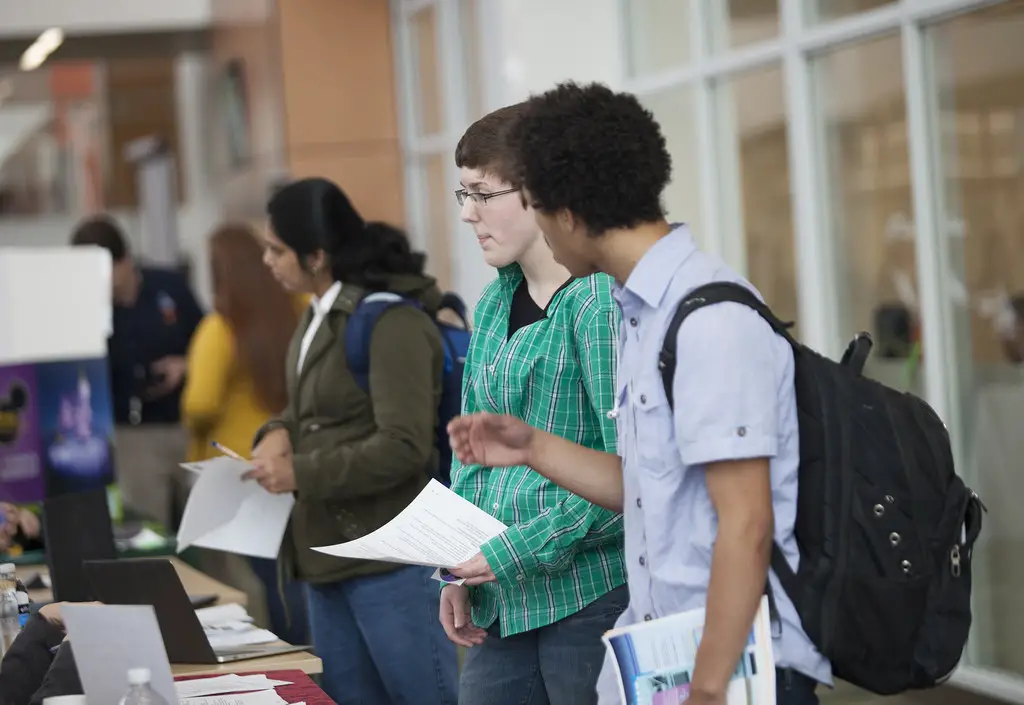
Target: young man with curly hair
(708, 486)
(538, 598)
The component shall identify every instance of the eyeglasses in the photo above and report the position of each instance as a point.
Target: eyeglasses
(461, 195)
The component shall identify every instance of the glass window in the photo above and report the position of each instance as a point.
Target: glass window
(738, 23)
(674, 110)
(658, 35)
(753, 105)
(978, 68)
(439, 200)
(869, 204)
(427, 59)
(826, 10)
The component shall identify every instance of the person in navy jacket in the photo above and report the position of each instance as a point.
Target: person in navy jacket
(155, 315)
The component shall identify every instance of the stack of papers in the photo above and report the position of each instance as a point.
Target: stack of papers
(230, 626)
(654, 660)
(219, 685)
(262, 697)
(439, 529)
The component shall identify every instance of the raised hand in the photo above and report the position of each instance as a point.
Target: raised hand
(491, 440)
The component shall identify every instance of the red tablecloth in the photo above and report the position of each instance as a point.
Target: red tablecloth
(302, 688)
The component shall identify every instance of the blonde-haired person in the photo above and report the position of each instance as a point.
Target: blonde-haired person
(235, 383)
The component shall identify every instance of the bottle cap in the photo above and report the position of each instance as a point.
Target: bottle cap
(138, 676)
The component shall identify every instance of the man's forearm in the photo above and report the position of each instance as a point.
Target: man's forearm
(739, 570)
(594, 475)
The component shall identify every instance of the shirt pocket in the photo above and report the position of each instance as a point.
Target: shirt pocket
(655, 432)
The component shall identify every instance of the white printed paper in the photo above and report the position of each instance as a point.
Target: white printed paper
(262, 697)
(226, 513)
(231, 683)
(439, 529)
(109, 641)
(654, 660)
(216, 615)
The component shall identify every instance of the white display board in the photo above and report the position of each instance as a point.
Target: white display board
(55, 303)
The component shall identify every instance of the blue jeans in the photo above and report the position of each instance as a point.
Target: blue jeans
(381, 642)
(794, 688)
(557, 664)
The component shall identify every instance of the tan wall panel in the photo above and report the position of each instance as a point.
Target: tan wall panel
(338, 68)
(371, 178)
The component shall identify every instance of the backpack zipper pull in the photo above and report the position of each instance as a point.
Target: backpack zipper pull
(954, 560)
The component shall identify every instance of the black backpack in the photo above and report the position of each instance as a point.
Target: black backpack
(884, 525)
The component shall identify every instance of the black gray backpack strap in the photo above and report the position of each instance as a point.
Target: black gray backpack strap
(714, 293)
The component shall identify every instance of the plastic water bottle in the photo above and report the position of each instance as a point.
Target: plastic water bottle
(8, 606)
(139, 690)
(24, 610)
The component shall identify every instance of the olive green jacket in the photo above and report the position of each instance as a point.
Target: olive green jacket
(359, 458)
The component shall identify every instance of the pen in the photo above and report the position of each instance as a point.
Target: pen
(227, 451)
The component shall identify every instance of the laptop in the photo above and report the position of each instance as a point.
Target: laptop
(76, 528)
(154, 581)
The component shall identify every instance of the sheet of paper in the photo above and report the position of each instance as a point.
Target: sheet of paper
(262, 697)
(654, 660)
(221, 614)
(438, 529)
(226, 513)
(110, 640)
(231, 683)
(224, 640)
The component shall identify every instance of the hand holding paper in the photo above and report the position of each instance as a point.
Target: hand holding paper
(226, 513)
(439, 529)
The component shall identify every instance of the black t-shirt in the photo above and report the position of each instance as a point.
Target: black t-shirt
(524, 310)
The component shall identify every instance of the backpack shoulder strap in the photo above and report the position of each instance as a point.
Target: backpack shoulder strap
(359, 331)
(707, 295)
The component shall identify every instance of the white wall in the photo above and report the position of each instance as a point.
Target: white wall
(20, 18)
(528, 46)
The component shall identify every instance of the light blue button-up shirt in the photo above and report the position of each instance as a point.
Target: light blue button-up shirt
(734, 399)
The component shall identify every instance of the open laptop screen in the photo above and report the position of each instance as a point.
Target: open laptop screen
(77, 528)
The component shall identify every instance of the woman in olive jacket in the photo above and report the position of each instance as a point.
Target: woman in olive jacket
(355, 459)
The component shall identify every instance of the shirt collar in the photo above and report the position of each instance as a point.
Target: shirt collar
(652, 275)
(322, 305)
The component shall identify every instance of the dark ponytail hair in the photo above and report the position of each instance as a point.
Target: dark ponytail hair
(313, 214)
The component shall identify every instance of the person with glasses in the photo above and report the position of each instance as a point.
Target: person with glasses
(708, 484)
(537, 598)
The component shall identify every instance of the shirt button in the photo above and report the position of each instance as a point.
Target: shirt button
(741, 431)
(643, 398)
(648, 617)
(520, 578)
(638, 503)
(643, 561)
(633, 322)
(496, 505)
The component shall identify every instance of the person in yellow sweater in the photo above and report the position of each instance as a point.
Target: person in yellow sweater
(236, 382)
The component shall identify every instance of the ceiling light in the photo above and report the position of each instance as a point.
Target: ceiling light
(41, 48)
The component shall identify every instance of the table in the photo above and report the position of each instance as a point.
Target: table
(302, 688)
(298, 661)
(195, 583)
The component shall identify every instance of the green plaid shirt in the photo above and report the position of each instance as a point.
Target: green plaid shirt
(560, 553)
